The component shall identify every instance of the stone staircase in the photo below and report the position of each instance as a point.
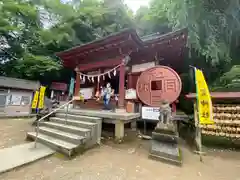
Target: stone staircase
(69, 134)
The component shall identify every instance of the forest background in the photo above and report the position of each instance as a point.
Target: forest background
(32, 31)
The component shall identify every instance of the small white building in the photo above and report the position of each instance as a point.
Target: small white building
(16, 96)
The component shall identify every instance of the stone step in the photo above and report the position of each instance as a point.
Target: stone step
(69, 137)
(77, 123)
(73, 115)
(166, 160)
(67, 128)
(60, 114)
(165, 137)
(64, 147)
(165, 131)
(165, 150)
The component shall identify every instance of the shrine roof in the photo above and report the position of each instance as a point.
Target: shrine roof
(155, 38)
(124, 42)
(8, 82)
(169, 49)
(127, 37)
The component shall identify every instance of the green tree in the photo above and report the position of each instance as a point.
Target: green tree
(20, 25)
(213, 25)
(213, 32)
(33, 31)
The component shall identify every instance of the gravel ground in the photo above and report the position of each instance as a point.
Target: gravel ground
(13, 131)
(128, 161)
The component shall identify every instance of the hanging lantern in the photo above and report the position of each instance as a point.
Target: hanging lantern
(109, 75)
(93, 79)
(104, 77)
(115, 72)
(80, 77)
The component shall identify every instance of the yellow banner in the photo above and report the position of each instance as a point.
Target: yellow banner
(204, 101)
(41, 97)
(35, 100)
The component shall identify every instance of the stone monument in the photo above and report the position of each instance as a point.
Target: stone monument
(164, 145)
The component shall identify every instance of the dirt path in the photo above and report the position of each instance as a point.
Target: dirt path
(128, 161)
(13, 131)
(122, 163)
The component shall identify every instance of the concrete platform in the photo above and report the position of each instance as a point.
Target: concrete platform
(106, 114)
(20, 155)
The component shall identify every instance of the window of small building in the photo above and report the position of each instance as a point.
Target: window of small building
(157, 85)
(3, 91)
(2, 100)
(25, 100)
(14, 100)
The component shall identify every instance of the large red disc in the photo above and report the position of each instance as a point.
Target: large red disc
(157, 84)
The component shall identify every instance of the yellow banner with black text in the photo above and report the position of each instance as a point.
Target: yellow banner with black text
(38, 99)
(35, 100)
(204, 101)
(41, 97)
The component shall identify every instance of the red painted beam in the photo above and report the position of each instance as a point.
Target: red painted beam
(100, 64)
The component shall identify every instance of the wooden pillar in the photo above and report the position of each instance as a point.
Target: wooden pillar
(130, 81)
(77, 85)
(121, 87)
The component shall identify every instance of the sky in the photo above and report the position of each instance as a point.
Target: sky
(136, 4)
(133, 4)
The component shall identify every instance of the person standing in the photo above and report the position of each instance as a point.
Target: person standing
(107, 96)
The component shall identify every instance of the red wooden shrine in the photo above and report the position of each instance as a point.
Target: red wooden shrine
(109, 52)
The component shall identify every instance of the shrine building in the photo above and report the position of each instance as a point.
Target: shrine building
(143, 71)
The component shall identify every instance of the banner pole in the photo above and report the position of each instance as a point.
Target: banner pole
(198, 136)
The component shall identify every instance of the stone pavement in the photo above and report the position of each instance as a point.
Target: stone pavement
(22, 154)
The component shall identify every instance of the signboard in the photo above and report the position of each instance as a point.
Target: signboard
(142, 67)
(87, 93)
(204, 102)
(58, 86)
(150, 113)
(130, 94)
(35, 100)
(41, 97)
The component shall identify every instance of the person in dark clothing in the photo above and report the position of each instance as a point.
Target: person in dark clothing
(55, 102)
(48, 106)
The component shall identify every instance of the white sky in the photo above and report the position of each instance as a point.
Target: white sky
(133, 4)
(136, 4)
